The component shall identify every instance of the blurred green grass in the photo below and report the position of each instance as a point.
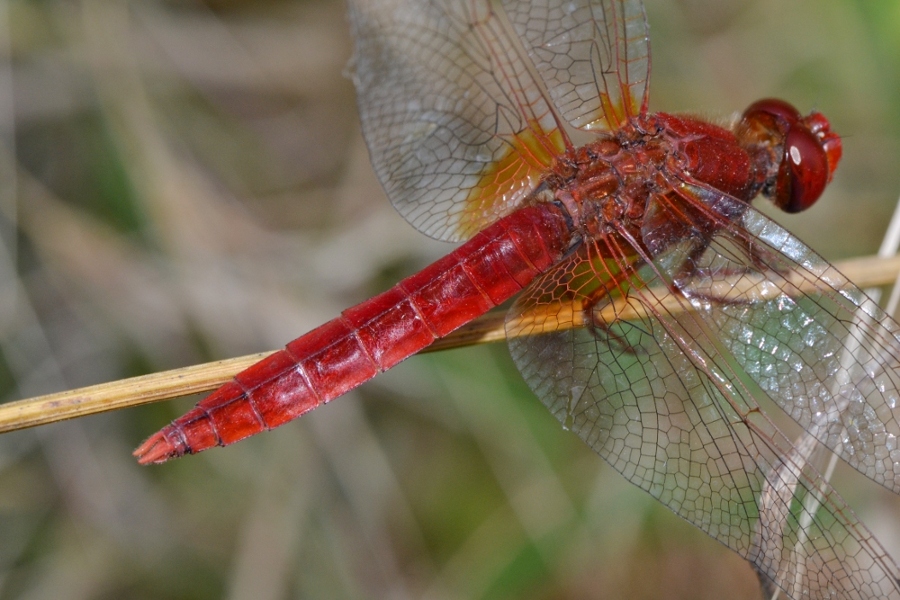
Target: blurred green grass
(184, 182)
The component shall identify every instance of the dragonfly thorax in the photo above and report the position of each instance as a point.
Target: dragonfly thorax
(605, 184)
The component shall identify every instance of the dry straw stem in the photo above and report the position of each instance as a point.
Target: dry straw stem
(43, 410)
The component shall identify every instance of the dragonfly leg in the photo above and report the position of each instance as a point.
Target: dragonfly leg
(754, 259)
(599, 328)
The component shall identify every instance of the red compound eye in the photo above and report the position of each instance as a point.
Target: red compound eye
(780, 110)
(804, 170)
(810, 156)
(820, 126)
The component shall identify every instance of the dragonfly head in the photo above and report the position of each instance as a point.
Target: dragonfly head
(809, 153)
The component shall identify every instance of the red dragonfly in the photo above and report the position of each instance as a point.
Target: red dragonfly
(655, 305)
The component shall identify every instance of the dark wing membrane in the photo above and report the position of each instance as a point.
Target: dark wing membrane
(813, 341)
(594, 56)
(458, 130)
(645, 386)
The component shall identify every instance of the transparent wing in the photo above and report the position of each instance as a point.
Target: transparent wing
(458, 130)
(643, 383)
(813, 341)
(594, 56)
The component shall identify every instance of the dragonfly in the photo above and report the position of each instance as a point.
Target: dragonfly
(654, 306)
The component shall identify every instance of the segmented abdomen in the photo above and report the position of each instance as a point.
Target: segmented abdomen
(373, 336)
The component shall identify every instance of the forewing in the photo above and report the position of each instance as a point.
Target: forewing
(645, 388)
(594, 56)
(458, 130)
(813, 341)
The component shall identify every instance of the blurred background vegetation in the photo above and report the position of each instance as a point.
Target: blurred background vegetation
(184, 181)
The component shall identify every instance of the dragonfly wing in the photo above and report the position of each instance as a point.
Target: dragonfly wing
(646, 389)
(594, 56)
(458, 129)
(814, 342)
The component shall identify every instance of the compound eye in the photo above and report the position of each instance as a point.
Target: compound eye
(803, 172)
(783, 112)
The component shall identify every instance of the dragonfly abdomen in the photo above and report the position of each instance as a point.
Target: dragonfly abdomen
(373, 336)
